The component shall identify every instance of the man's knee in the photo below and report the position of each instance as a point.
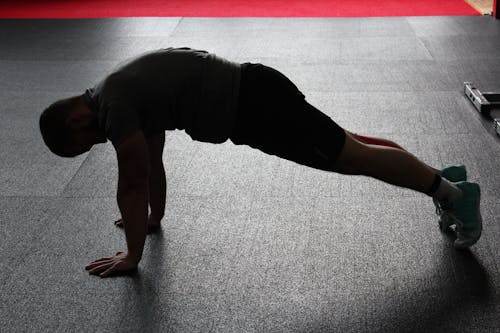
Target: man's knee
(353, 157)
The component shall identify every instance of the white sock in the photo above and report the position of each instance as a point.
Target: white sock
(436, 171)
(447, 191)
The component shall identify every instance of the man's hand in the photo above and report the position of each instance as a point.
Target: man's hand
(103, 267)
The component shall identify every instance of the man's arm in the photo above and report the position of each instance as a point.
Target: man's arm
(157, 180)
(132, 197)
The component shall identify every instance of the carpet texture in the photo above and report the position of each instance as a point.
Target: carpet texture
(252, 243)
(232, 8)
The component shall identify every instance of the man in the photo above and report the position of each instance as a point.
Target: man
(213, 100)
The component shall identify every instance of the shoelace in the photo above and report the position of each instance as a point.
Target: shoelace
(442, 207)
(445, 212)
(438, 207)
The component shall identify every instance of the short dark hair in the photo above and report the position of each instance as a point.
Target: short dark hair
(53, 125)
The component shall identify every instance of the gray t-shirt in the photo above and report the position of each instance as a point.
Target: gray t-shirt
(173, 88)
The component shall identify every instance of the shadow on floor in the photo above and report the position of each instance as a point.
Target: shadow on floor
(142, 298)
(455, 302)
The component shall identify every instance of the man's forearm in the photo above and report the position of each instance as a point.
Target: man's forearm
(157, 192)
(133, 204)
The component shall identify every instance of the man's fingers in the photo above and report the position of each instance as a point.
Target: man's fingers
(107, 266)
(98, 269)
(95, 264)
(102, 259)
(99, 261)
(108, 271)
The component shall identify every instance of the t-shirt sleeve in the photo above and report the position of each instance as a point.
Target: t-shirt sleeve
(121, 121)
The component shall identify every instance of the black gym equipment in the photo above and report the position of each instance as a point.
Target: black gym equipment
(484, 102)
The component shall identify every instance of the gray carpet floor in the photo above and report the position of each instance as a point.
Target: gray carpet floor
(252, 243)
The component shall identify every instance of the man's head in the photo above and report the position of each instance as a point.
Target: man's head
(69, 128)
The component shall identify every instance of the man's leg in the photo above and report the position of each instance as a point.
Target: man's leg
(369, 140)
(275, 118)
(399, 167)
(391, 165)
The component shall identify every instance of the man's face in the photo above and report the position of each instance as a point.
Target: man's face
(79, 143)
(83, 133)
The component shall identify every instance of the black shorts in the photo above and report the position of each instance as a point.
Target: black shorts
(275, 118)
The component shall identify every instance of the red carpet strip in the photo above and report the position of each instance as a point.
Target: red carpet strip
(231, 8)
